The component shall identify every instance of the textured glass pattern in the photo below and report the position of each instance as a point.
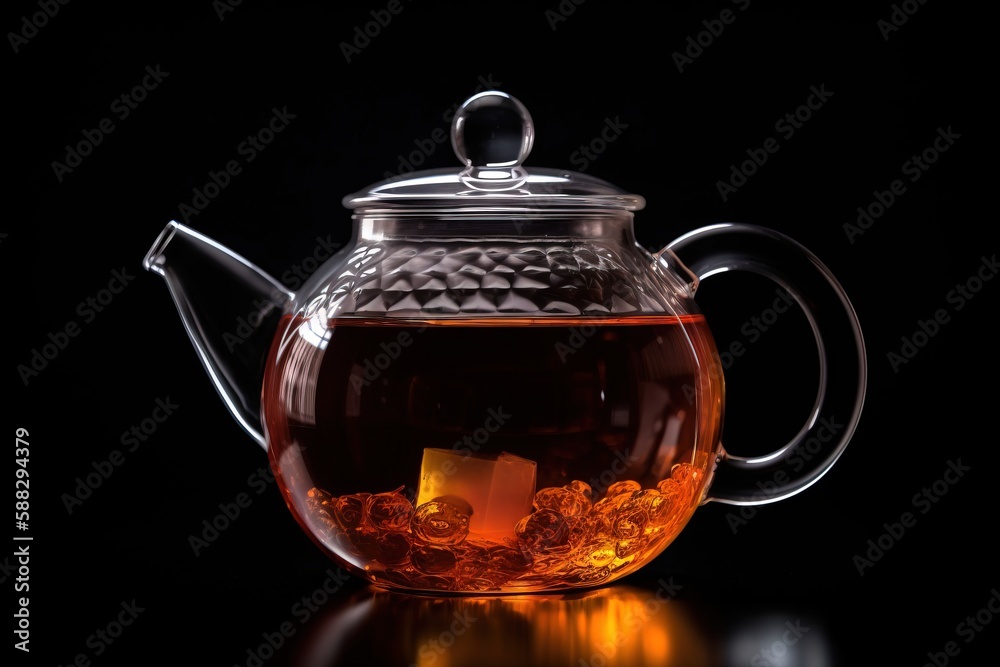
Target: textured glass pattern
(404, 279)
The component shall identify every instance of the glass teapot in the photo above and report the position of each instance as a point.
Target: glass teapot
(493, 387)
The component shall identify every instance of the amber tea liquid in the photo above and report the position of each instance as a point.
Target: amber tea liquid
(497, 454)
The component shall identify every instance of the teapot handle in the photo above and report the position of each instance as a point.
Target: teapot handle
(799, 463)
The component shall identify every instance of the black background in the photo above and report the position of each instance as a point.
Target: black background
(352, 121)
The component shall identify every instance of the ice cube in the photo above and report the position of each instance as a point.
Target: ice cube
(444, 472)
(499, 490)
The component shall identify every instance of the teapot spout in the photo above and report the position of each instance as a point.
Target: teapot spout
(230, 310)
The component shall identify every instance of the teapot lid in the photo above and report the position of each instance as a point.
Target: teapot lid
(492, 133)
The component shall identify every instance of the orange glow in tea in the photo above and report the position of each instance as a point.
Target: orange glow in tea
(521, 455)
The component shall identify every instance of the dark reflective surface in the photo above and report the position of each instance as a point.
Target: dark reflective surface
(825, 557)
(645, 622)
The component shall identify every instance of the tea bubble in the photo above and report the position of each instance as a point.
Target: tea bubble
(686, 480)
(470, 569)
(625, 548)
(507, 560)
(580, 487)
(619, 488)
(317, 498)
(471, 551)
(432, 560)
(350, 510)
(611, 503)
(564, 501)
(629, 521)
(686, 474)
(656, 506)
(366, 541)
(439, 523)
(461, 504)
(600, 528)
(389, 511)
(600, 556)
(392, 548)
(342, 543)
(542, 531)
(581, 529)
(669, 487)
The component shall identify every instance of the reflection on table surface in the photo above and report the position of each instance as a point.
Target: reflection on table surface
(629, 625)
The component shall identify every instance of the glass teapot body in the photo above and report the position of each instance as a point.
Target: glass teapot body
(497, 403)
